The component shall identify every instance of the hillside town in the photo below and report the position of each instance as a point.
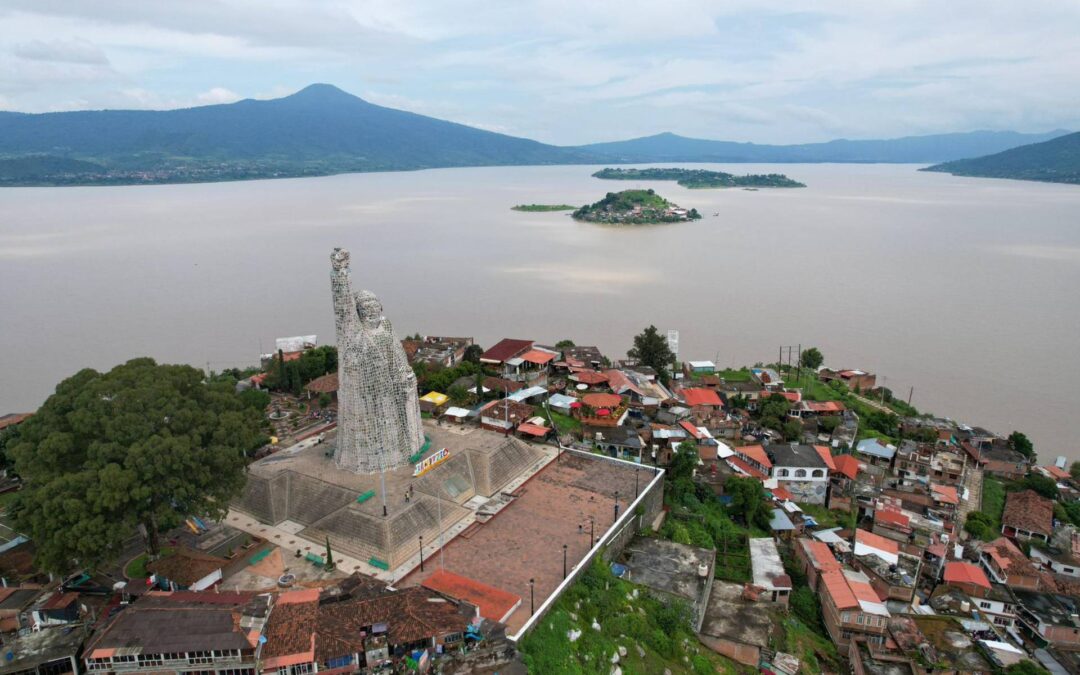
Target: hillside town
(785, 517)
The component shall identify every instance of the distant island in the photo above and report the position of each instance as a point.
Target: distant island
(700, 178)
(1055, 161)
(634, 207)
(543, 207)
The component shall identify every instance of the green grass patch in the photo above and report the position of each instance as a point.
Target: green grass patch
(733, 375)
(662, 631)
(818, 654)
(993, 499)
(564, 423)
(826, 518)
(136, 569)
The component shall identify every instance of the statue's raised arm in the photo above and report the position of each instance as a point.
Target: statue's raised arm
(345, 317)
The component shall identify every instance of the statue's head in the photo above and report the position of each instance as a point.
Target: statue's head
(369, 309)
(339, 259)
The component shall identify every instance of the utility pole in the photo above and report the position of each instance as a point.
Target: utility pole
(532, 597)
(564, 561)
(421, 553)
(911, 392)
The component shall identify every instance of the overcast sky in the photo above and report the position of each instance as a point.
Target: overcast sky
(571, 71)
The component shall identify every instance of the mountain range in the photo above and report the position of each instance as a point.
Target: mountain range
(1056, 161)
(323, 130)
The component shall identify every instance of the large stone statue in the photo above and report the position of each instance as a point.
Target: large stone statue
(378, 407)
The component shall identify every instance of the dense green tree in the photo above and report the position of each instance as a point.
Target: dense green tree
(748, 501)
(792, 430)
(472, 353)
(458, 394)
(1074, 470)
(684, 461)
(1022, 444)
(256, 399)
(775, 408)
(142, 446)
(564, 344)
(811, 358)
(981, 526)
(1044, 485)
(651, 349)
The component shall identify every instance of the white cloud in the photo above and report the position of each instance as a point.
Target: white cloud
(217, 95)
(570, 71)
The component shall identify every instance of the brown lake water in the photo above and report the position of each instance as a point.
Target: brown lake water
(966, 289)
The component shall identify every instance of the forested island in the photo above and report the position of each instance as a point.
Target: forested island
(543, 207)
(700, 178)
(634, 207)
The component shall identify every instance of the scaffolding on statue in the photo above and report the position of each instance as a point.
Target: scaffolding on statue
(379, 424)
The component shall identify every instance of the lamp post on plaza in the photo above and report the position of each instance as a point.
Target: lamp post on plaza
(592, 532)
(635, 483)
(421, 553)
(616, 505)
(532, 597)
(564, 561)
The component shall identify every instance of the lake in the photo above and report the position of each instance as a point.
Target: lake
(965, 289)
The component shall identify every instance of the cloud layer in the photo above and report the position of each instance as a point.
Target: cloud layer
(571, 72)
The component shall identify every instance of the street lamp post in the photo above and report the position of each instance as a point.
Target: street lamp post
(564, 561)
(635, 483)
(532, 597)
(421, 553)
(592, 532)
(616, 505)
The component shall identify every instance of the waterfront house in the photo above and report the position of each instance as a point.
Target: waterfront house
(1028, 515)
(801, 469)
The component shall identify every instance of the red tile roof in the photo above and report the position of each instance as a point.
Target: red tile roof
(533, 429)
(11, 419)
(186, 566)
(1056, 472)
(891, 518)
(835, 585)
(738, 463)
(826, 456)
(601, 400)
(493, 603)
(877, 541)
(1008, 556)
(792, 396)
(1030, 511)
(825, 406)
(691, 429)
(945, 493)
(847, 465)
(326, 384)
(590, 377)
(290, 630)
(819, 555)
(504, 349)
(965, 573)
(697, 396)
(756, 453)
(782, 493)
(538, 357)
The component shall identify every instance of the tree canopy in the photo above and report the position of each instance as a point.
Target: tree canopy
(1044, 485)
(812, 358)
(144, 445)
(748, 501)
(1022, 444)
(651, 349)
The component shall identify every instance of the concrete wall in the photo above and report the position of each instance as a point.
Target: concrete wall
(749, 655)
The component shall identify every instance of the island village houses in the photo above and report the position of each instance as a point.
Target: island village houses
(865, 504)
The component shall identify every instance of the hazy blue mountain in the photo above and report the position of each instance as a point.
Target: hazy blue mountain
(1056, 161)
(323, 130)
(318, 130)
(670, 147)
